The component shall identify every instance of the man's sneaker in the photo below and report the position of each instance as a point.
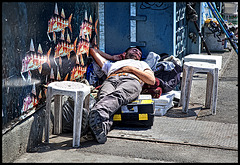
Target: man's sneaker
(98, 127)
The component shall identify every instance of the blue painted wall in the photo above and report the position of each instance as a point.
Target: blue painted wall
(161, 27)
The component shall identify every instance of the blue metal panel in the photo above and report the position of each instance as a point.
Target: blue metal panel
(154, 26)
(117, 31)
(157, 31)
(161, 27)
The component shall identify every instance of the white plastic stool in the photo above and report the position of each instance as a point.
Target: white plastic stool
(78, 91)
(189, 68)
(204, 58)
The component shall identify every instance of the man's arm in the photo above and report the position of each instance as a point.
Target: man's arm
(147, 76)
(99, 58)
(105, 55)
(96, 52)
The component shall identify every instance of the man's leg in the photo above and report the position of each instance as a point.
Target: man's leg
(126, 89)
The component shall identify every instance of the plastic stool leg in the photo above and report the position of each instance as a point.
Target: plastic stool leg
(58, 114)
(187, 90)
(183, 85)
(215, 91)
(47, 114)
(78, 106)
(209, 89)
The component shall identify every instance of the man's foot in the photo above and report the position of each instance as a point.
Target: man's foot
(98, 127)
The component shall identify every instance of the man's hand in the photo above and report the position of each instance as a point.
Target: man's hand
(118, 57)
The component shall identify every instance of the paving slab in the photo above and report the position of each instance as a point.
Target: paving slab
(184, 131)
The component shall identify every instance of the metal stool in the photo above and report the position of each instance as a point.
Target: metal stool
(78, 91)
(189, 68)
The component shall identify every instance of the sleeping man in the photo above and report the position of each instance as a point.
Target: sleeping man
(123, 84)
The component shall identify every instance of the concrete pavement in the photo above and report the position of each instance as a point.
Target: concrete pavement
(174, 138)
(168, 141)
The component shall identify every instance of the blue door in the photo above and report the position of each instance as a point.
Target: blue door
(154, 26)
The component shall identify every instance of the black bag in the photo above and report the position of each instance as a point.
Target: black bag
(168, 79)
(68, 114)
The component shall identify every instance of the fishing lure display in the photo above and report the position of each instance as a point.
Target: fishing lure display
(34, 60)
(60, 49)
(58, 23)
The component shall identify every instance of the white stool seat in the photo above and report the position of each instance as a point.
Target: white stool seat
(78, 91)
(204, 58)
(189, 68)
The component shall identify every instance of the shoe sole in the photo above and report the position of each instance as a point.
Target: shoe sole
(97, 127)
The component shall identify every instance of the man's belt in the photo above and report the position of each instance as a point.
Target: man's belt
(125, 74)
